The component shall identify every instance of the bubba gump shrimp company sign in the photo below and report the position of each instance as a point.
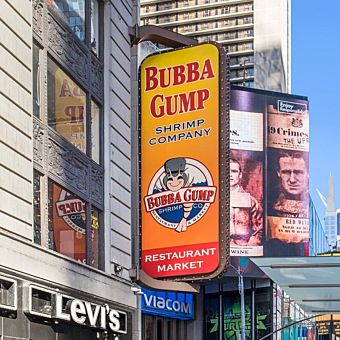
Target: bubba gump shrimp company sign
(181, 168)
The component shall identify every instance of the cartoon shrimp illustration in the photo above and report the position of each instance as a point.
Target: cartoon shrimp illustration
(175, 179)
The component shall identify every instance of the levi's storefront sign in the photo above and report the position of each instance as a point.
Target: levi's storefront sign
(84, 313)
(181, 117)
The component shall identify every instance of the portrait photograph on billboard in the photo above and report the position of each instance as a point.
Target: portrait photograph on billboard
(182, 114)
(269, 175)
(288, 177)
(246, 183)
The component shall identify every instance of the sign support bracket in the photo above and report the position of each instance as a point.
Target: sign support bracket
(163, 36)
(159, 35)
(144, 280)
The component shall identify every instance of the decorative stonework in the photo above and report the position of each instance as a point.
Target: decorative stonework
(97, 77)
(38, 17)
(64, 45)
(53, 155)
(75, 170)
(38, 141)
(65, 164)
(97, 184)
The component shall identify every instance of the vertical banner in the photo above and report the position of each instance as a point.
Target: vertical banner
(183, 170)
(288, 180)
(246, 183)
(269, 193)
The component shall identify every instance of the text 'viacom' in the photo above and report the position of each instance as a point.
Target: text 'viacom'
(182, 114)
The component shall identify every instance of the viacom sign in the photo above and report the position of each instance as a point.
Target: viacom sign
(168, 304)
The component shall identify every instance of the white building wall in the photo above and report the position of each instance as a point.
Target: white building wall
(16, 147)
(18, 253)
(272, 42)
(118, 137)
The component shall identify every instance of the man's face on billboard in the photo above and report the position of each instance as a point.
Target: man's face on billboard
(293, 175)
(235, 174)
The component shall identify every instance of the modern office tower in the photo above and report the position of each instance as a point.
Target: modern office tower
(256, 34)
(318, 239)
(330, 217)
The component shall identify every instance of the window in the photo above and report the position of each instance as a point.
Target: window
(248, 20)
(249, 72)
(73, 13)
(232, 48)
(94, 26)
(95, 131)
(67, 112)
(206, 13)
(233, 74)
(68, 177)
(224, 10)
(76, 15)
(36, 80)
(37, 207)
(69, 226)
(66, 106)
(249, 84)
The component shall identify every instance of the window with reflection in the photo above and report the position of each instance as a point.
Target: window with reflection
(67, 223)
(94, 26)
(73, 13)
(66, 106)
(70, 116)
(36, 80)
(95, 129)
(68, 226)
(95, 229)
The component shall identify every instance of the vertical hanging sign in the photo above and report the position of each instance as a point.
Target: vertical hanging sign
(183, 150)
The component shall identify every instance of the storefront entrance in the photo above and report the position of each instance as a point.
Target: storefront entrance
(160, 328)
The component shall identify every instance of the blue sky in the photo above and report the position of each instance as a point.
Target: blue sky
(316, 74)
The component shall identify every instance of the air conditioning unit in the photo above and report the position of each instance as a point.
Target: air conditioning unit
(40, 301)
(8, 294)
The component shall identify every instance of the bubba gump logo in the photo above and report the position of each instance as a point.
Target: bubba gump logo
(72, 210)
(180, 193)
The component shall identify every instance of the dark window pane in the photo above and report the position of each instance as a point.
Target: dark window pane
(212, 316)
(37, 207)
(263, 312)
(169, 329)
(73, 13)
(66, 106)
(148, 324)
(232, 315)
(94, 26)
(95, 232)
(159, 329)
(95, 132)
(67, 223)
(36, 81)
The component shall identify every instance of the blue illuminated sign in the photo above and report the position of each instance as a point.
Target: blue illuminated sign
(168, 304)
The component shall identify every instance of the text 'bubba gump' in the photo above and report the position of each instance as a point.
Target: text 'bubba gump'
(161, 78)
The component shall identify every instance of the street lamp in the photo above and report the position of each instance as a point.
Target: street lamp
(241, 291)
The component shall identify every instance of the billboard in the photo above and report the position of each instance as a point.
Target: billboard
(269, 175)
(183, 112)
